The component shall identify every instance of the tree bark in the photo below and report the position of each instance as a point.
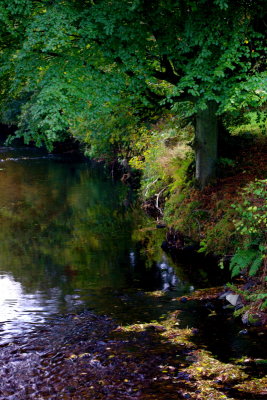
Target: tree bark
(206, 144)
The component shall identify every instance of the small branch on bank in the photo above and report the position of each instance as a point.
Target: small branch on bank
(157, 199)
(149, 185)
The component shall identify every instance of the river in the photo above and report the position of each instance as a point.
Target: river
(72, 239)
(67, 241)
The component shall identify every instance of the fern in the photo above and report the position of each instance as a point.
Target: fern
(258, 296)
(261, 295)
(256, 264)
(243, 259)
(264, 305)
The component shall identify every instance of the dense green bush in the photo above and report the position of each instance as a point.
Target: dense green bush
(251, 225)
(165, 155)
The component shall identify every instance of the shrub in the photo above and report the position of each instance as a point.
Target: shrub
(251, 225)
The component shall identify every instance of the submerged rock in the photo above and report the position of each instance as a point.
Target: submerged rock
(234, 299)
(243, 332)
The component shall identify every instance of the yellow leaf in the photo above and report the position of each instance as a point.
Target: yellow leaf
(72, 356)
(84, 354)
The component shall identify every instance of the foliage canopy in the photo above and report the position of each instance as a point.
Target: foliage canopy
(65, 63)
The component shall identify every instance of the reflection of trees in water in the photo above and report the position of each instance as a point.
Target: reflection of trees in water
(167, 274)
(66, 225)
(60, 220)
(171, 276)
(157, 275)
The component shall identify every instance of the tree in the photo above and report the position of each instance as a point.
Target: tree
(75, 58)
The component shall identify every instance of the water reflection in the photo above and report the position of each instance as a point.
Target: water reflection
(168, 275)
(20, 310)
(65, 233)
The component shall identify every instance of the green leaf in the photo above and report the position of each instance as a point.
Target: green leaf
(256, 264)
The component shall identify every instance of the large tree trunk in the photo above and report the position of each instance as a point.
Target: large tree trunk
(206, 144)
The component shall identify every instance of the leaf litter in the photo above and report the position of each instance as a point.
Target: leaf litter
(88, 356)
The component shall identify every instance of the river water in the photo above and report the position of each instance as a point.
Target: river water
(66, 239)
(71, 239)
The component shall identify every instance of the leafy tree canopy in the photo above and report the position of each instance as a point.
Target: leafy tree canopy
(63, 61)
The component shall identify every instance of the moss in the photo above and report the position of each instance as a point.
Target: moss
(185, 215)
(220, 238)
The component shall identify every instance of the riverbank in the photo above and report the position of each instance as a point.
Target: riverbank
(225, 221)
(85, 355)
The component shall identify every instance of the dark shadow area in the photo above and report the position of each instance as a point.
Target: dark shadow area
(5, 131)
(224, 336)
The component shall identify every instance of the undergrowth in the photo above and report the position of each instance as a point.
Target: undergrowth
(165, 160)
(227, 218)
(250, 256)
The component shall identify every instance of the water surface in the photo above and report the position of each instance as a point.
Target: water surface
(67, 237)
(72, 239)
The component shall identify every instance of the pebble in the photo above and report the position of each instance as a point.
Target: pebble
(183, 299)
(243, 332)
(187, 396)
